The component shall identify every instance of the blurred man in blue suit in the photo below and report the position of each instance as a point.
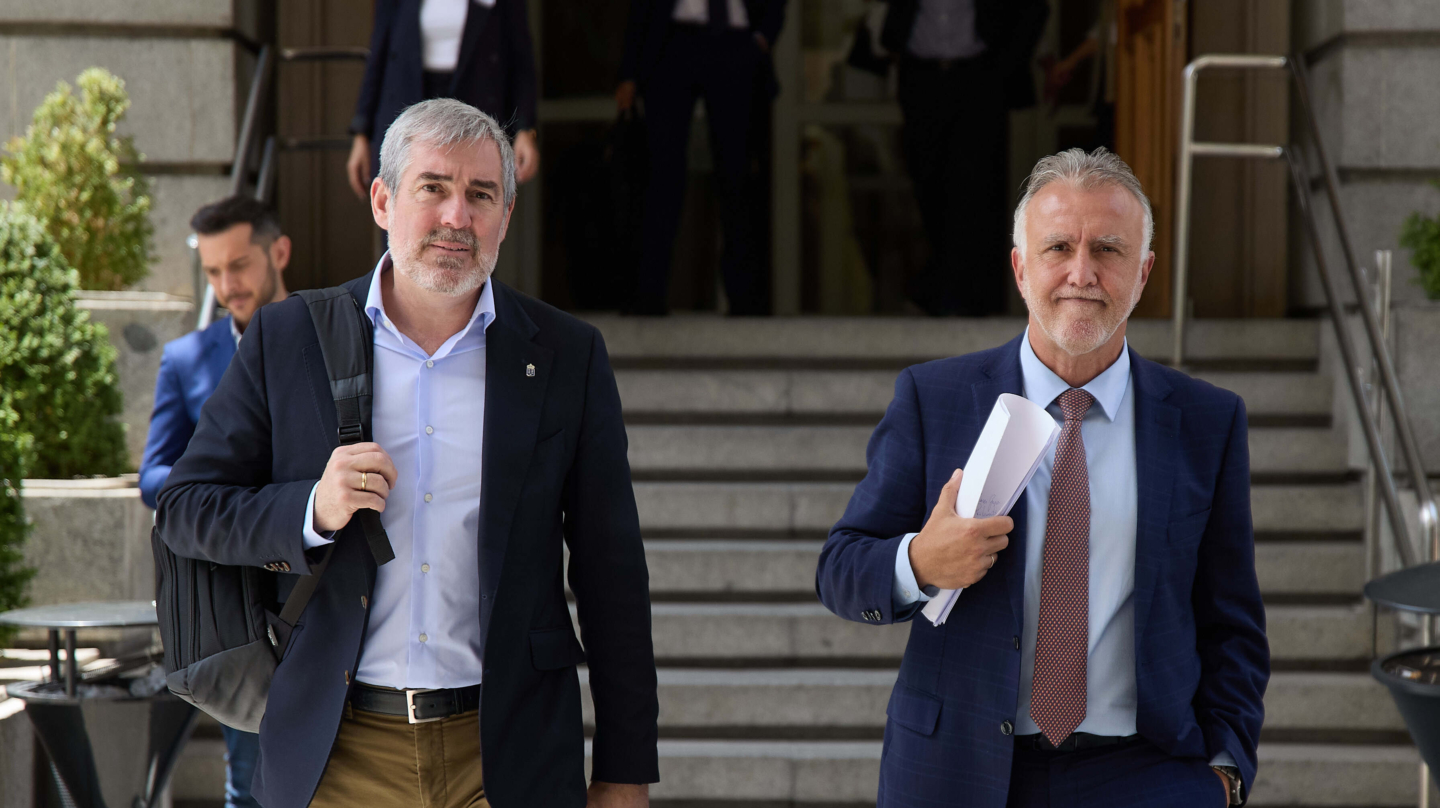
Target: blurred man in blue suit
(243, 254)
(1108, 647)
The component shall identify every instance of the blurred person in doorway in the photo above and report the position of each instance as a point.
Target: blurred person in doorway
(476, 51)
(964, 64)
(243, 254)
(678, 51)
(1099, 45)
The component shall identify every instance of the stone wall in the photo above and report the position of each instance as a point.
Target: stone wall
(140, 324)
(91, 541)
(186, 72)
(1373, 67)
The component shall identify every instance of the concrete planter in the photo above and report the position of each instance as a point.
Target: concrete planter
(1416, 341)
(140, 324)
(91, 540)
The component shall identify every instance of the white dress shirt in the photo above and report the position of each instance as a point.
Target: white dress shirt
(428, 414)
(697, 12)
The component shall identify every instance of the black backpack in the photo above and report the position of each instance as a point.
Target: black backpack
(219, 624)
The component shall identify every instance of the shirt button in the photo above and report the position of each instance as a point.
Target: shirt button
(424, 567)
(907, 593)
(424, 637)
(428, 497)
(1006, 728)
(429, 430)
(429, 363)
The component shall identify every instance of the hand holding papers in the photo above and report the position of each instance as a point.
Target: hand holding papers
(1018, 434)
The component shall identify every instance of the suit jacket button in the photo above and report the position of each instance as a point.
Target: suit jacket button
(284, 566)
(347, 681)
(1016, 638)
(1006, 728)
(364, 602)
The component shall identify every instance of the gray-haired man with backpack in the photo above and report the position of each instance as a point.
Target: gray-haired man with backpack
(446, 676)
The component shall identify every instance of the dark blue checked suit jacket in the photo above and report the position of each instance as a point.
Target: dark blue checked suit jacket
(1202, 660)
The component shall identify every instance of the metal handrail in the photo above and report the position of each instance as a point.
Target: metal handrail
(1371, 418)
(1188, 149)
(1428, 513)
(260, 89)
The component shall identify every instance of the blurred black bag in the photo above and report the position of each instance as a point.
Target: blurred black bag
(600, 200)
(222, 638)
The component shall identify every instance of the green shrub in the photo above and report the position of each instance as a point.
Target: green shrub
(16, 446)
(1421, 234)
(57, 369)
(72, 172)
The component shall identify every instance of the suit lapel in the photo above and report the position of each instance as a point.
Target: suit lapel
(476, 15)
(1003, 376)
(1157, 427)
(513, 401)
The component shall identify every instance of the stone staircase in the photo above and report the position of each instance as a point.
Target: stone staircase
(746, 440)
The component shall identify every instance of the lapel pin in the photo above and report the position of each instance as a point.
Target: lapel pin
(530, 370)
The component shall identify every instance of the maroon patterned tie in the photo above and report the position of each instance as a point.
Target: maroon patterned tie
(1057, 701)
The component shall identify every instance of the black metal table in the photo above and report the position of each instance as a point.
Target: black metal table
(113, 734)
(1413, 676)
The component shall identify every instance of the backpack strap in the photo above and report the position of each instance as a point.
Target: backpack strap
(347, 343)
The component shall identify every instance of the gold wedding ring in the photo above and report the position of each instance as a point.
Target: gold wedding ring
(362, 480)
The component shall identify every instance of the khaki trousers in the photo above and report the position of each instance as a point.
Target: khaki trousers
(384, 761)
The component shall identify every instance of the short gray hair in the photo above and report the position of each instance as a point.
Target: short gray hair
(442, 122)
(1084, 171)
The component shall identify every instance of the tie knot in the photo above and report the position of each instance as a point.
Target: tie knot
(1074, 403)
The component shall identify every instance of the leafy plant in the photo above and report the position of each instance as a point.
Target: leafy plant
(1421, 234)
(57, 368)
(76, 175)
(16, 447)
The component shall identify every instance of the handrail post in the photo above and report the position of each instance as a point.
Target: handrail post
(1374, 565)
(1181, 258)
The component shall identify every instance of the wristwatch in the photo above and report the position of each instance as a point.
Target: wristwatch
(1237, 786)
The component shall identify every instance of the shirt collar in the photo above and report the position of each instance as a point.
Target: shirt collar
(375, 307)
(235, 332)
(1042, 386)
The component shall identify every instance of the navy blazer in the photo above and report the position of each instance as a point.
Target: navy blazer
(553, 468)
(190, 368)
(648, 29)
(495, 73)
(1202, 660)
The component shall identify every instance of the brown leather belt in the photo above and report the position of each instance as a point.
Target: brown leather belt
(418, 706)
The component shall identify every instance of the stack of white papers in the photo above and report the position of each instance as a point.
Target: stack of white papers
(1015, 439)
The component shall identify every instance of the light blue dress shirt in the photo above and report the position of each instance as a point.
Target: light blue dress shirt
(428, 415)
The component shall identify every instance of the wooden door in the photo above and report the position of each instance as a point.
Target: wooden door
(1150, 54)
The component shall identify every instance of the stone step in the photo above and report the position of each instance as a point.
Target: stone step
(674, 394)
(820, 703)
(801, 452)
(733, 509)
(785, 568)
(798, 634)
(733, 772)
(683, 337)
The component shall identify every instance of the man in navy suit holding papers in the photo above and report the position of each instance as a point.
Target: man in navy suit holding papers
(1108, 647)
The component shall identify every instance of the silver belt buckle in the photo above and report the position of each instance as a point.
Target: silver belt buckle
(410, 706)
